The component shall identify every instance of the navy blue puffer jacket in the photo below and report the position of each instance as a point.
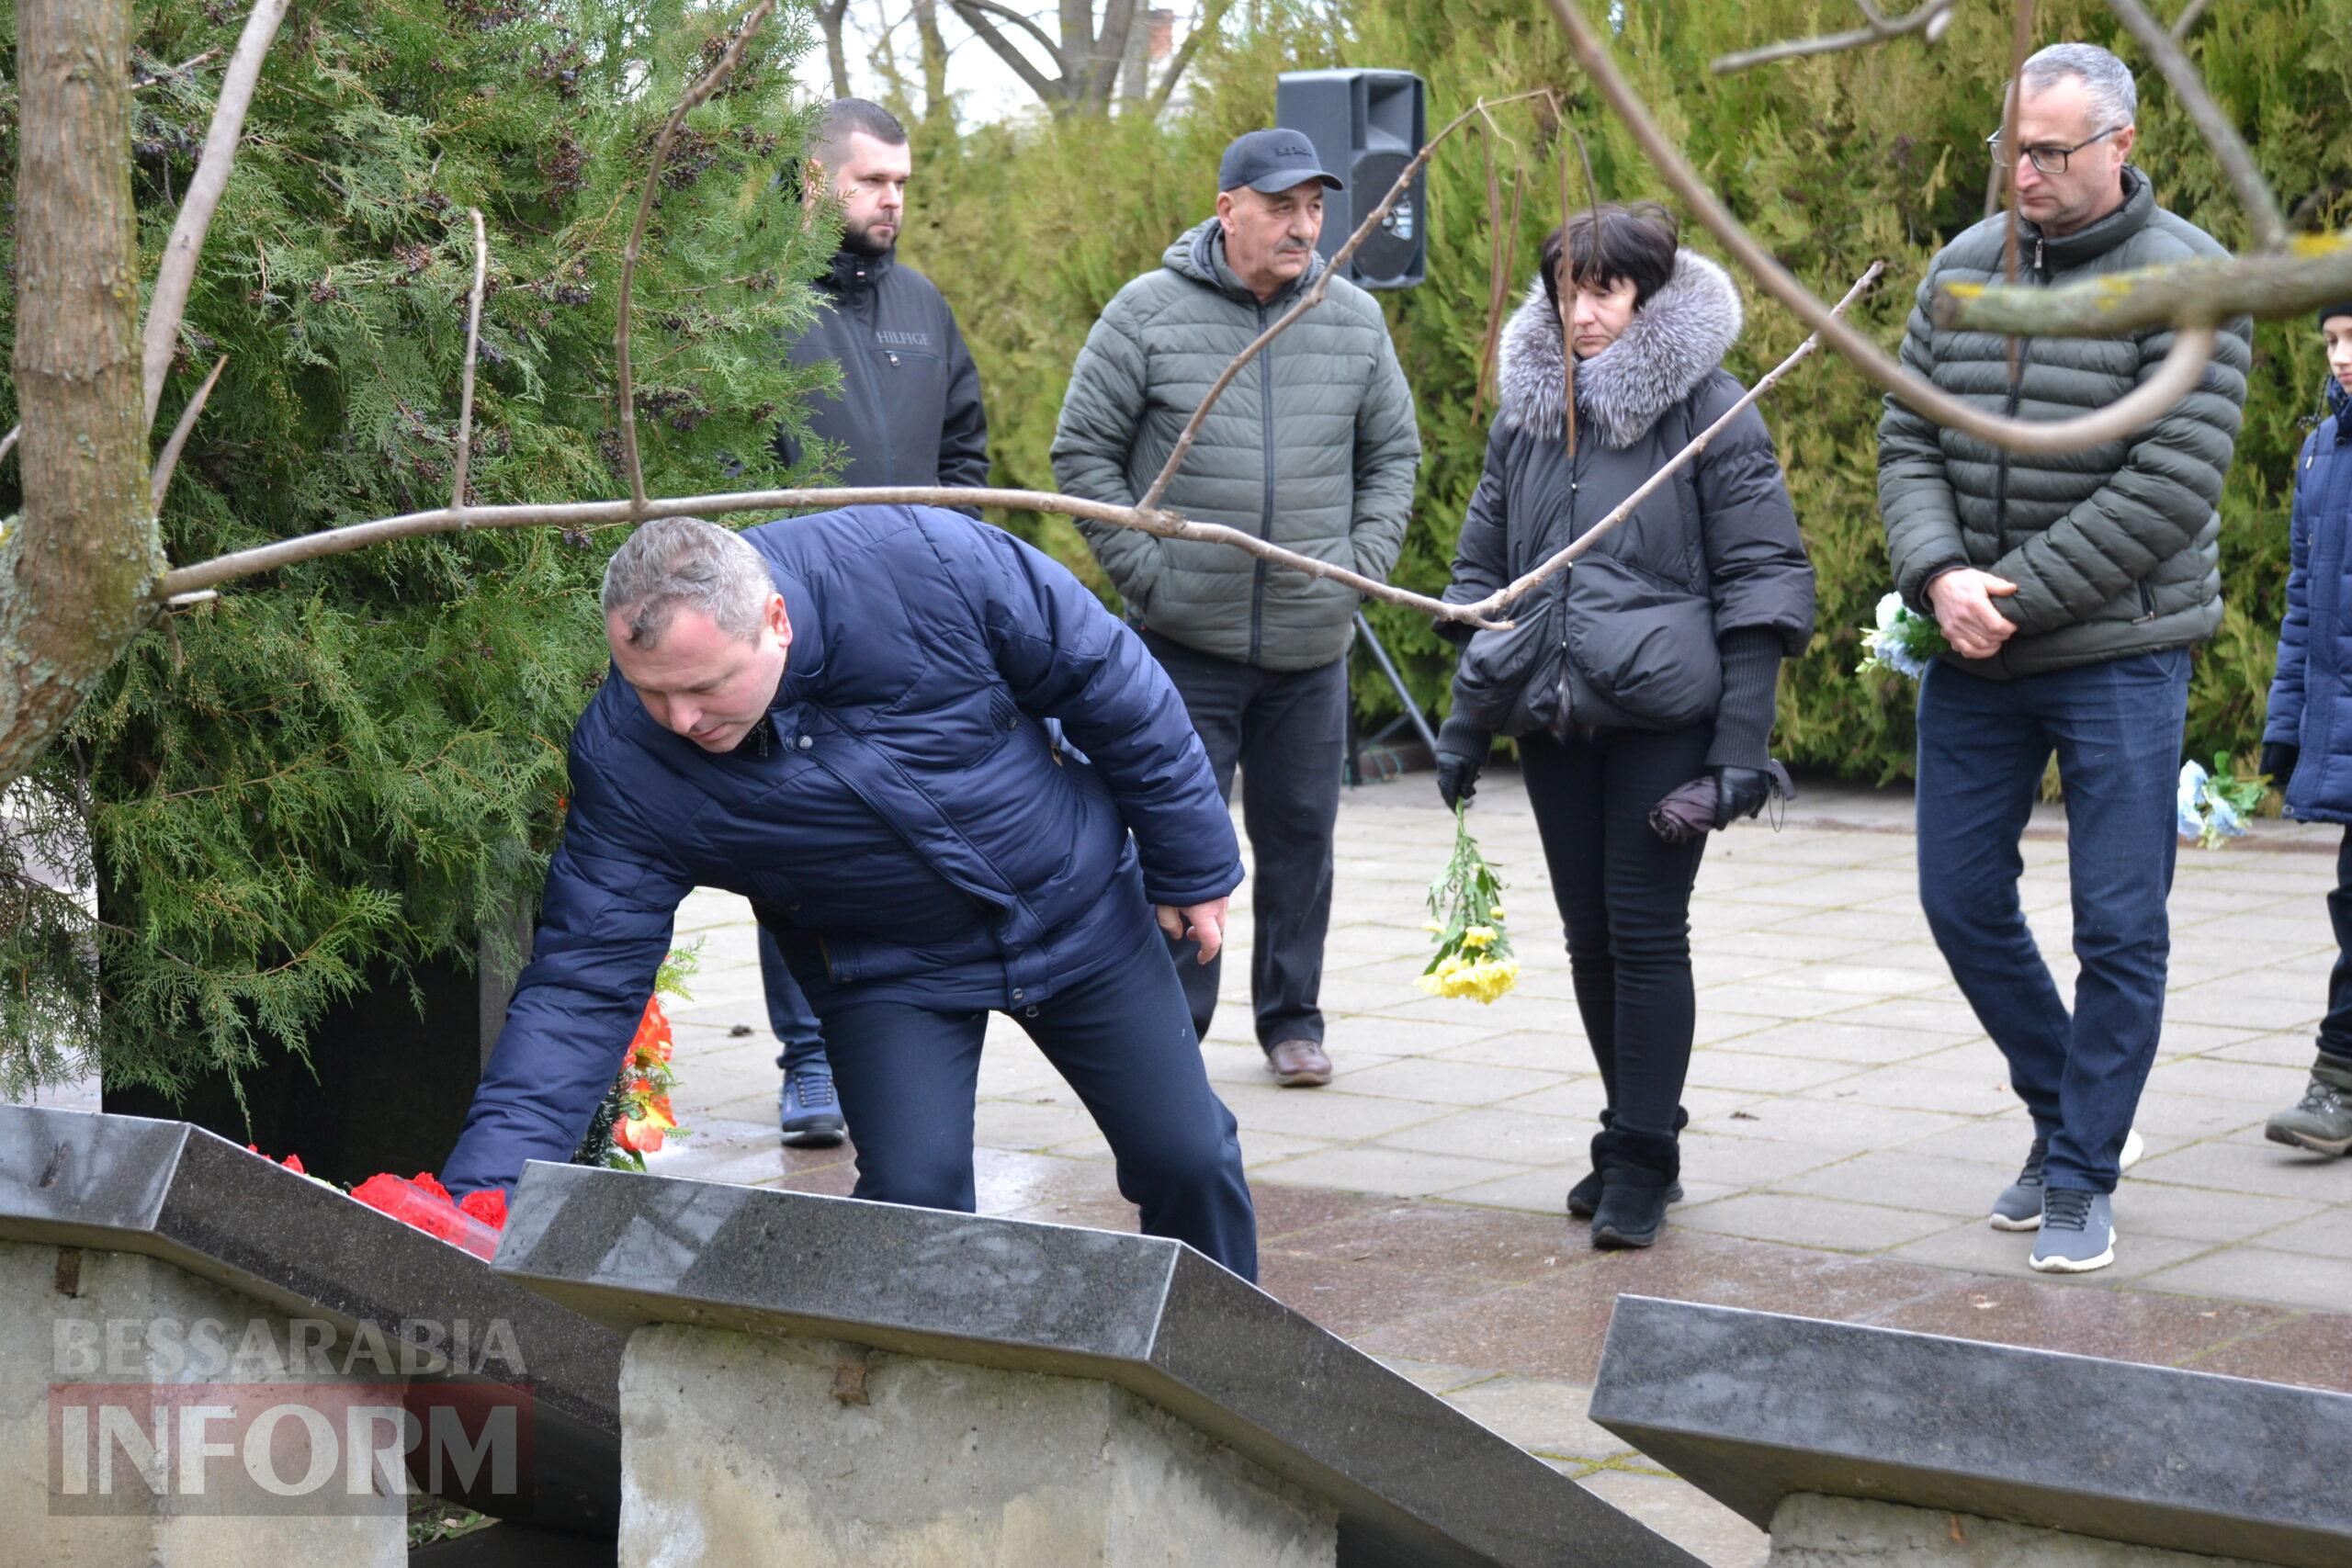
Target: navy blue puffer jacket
(2310, 696)
(907, 821)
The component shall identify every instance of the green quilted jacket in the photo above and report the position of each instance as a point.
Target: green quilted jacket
(1313, 446)
(2115, 551)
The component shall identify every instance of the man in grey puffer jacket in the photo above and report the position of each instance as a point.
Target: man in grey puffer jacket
(1314, 447)
(2071, 587)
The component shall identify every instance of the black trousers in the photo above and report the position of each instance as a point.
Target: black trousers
(908, 1076)
(1288, 730)
(2336, 1029)
(1625, 897)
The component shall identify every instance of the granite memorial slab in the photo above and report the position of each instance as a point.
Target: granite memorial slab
(1758, 1409)
(157, 1258)
(1025, 1346)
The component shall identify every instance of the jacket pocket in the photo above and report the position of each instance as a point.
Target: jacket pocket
(1507, 678)
(1645, 645)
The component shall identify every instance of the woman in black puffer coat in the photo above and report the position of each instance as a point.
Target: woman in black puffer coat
(1649, 663)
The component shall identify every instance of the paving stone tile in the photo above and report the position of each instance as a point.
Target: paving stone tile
(2252, 1168)
(2147, 1206)
(1349, 1299)
(1977, 1247)
(2230, 1002)
(1392, 1036)
(1775, 948)
(1484, 1247)
(1498, 1133)
(1684, 1514)
(2289, 1050)
(1539, 1015)
(2188, 1116)
(1018, 1124)
(1543, 1415)
(1907, 1180)
(1812, 1222)
(1743, 1163)
(1330, 1113)
(1581, 1099)
(2312, 1350)
(2253, 1083)
(1831, 1128)
(1832, 1039)
(1567, 1052)
(2080, 1317)
(1716, 1066)
(1436, 1377)
(1538, 1190)
(1439, 1083)
(1976, 1092)
(2327, 1234)
(2263, 1274)
(1368, 1168)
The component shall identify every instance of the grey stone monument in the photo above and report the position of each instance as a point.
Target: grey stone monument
(205, 1357)
(1859, 1446)
(816, 1379)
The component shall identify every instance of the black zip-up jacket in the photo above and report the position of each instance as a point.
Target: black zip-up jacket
(910, 411)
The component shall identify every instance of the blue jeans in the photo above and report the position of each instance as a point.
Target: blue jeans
(789, 1015)
(909, 1075)
(2115, 729)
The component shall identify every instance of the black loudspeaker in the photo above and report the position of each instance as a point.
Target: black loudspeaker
(1366, 126)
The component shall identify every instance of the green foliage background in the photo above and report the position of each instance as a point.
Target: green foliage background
(362, 757)
(1834, 161)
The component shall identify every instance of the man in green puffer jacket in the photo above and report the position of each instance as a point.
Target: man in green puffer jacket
(1314, 447)
(2071, 587)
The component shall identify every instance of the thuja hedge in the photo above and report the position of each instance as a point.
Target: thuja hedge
(359, 758)
(1835, 160)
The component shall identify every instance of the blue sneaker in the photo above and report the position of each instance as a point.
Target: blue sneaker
(810, 1114)
(2078, 1231)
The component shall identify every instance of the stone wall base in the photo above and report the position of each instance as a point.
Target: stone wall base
(70, 1317)
(737, 1448)
(1845, 1532)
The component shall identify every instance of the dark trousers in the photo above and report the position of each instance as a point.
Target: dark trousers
(2336, 1029)
(1983, 745)
(1625, 897)
(789, 1014)
(909, 1075)
(1288, 731)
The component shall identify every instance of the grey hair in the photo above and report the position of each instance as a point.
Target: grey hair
(2113, 94)
(844, 116)
(684, 563)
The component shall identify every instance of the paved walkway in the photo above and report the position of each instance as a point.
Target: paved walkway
(1849, 1125)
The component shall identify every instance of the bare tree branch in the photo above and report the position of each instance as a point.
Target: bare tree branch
(2254, 192)
(2189, 16)
(586, 513)
(2192, 348)
(171, 456)
(1933, 17)
(1523, 586)
(2020, 45)
(1314, 295)
(695, 95)
(2313, 272)
(1052, 91)
(176, 274)
(1204, 26)
(8, 441)
(473, 349)
(831, 16)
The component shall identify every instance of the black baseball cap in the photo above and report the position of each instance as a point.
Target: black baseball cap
(1271, 161)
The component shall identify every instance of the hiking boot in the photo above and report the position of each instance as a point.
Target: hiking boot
(2321, 1121)
(2018, 1208)
(1636, 1171)
(2078, 1231)
(1585, 1196)
(808, 1114)
(1298, 1064)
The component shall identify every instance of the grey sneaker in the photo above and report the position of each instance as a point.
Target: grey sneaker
(2018, 1208)
(2321, 1121)
(2078, 1231)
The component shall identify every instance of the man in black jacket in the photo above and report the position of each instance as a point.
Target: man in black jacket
(909, 413)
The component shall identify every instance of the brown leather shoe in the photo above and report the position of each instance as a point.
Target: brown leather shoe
(1298, 1064)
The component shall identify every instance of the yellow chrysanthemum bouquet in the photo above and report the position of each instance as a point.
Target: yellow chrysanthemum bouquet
(1466, 909)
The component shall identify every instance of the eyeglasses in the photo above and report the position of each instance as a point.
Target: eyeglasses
(2049, 160)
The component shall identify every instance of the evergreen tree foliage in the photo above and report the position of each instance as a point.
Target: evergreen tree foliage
(363, 757)
(1834, 161)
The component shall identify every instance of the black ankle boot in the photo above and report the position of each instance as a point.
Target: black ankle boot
(1585, 1196)
(1637, 1171)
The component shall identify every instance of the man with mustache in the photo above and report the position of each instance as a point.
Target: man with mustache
(1314, 447)
(909, 413)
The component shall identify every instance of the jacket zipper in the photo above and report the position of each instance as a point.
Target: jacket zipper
(1266, 516)
(2017, 396)
(1565, 725)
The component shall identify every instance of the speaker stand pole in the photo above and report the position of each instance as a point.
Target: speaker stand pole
(1388, 667)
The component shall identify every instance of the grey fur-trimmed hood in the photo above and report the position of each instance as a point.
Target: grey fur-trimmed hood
(1675, 341)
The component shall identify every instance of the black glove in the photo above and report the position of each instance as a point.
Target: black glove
(1462, 749)
(1739, 792)
(2278, 760)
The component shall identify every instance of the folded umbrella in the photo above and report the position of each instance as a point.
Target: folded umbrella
(1688, 810)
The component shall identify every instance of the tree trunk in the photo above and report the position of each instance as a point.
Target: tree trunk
(831, 17)
(79, 566)
(937, 122)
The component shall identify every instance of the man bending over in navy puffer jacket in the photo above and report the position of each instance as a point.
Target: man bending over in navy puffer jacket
(841, 717)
